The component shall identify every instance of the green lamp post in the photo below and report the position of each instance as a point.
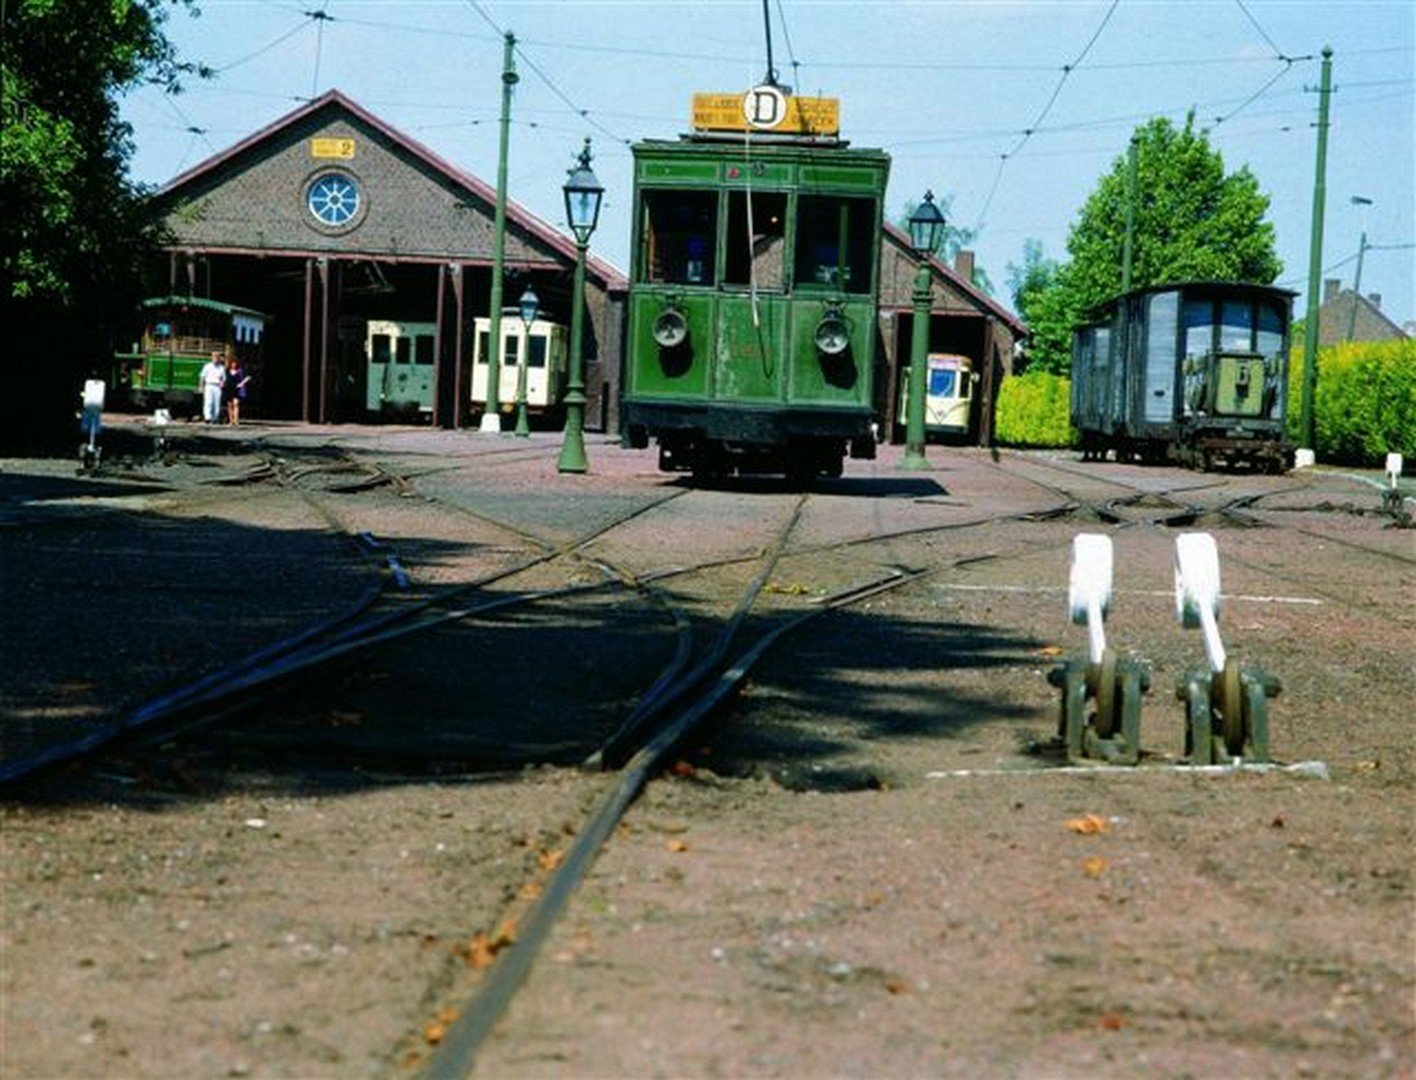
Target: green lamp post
(583, 193)
(926, 223)
(529, 306)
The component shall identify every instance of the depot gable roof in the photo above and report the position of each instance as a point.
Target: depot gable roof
(333, 105)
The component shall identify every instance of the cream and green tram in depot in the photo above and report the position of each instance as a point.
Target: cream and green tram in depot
(543, 344)
(401, 369)
(949, 397)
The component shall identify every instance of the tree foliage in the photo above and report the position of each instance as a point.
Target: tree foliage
(1038, 297)
(73, 230)
(1365, 402)
(1193, 222)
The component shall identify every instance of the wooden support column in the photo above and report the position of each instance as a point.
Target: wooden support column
(438, 344)
(457, 345)
(305, 365)
(990, 363)
(325, 274)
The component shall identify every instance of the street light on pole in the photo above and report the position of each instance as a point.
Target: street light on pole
(583, 193)
(1364, 202)
(530, 306)
(926, 224)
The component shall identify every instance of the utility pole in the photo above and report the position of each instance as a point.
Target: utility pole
(1307, 452)
(1131, 186)
(491, 417)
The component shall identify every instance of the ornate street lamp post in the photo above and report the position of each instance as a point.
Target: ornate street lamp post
(530, 305)
(926, 223)
(582, 212)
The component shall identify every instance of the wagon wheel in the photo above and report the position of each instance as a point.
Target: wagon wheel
(1231, 707)
(1106, 705)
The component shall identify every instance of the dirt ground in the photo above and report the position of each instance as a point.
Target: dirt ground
(869, 868)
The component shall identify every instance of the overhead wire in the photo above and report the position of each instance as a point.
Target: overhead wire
(1028, 132)
(305, 23)
(791, 52)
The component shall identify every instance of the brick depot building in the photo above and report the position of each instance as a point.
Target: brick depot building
(405, 237)
(963, 319)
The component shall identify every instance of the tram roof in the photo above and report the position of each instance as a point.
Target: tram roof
(218, 306)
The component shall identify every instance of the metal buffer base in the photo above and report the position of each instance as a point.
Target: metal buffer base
(1226, 714)
(1112, 730)
(1226, 707)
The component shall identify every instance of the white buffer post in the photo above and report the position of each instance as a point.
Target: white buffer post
(1089, 589)
(1197, 591)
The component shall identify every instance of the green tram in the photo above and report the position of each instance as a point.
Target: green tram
(752, 300)
(178, 337)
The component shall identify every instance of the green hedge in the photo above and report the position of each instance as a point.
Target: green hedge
(1033, 410)
(1364, 403)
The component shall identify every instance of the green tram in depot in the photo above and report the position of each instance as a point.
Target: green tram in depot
(162, 369)
(752, 301)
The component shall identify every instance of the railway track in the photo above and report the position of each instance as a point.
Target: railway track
(738, 603)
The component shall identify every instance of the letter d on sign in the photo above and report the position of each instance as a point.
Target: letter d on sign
(764, 106)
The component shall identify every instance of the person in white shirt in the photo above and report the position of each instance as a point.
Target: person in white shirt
(212, 377)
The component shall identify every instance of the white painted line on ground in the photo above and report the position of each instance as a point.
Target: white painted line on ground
(1316, 770)
(1169, 594)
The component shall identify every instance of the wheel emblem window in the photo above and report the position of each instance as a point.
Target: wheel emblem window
(333, 199)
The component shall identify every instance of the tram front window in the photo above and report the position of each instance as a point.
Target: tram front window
(756, 251)
(680, 237)
(835, 242)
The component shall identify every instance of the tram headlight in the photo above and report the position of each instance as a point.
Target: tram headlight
(833, 334)
(670, 329)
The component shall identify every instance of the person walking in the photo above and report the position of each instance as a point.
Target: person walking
(213, 378)
(233, 390)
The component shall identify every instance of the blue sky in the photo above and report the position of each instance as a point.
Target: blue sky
(950, 90)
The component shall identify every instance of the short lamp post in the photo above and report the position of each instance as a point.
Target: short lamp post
(530, 307)
(583, 193)
(926, 223)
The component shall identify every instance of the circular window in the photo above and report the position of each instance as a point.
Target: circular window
(333, 198)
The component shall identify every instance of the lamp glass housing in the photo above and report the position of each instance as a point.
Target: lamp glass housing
(583, 192)
(926, 223)
(530, 305)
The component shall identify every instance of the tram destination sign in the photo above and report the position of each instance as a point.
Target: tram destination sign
(767, 108)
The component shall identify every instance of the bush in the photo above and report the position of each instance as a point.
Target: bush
(1033, 410)
(1364, 405)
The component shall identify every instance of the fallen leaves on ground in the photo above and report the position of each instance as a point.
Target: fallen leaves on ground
(1087, 824)
(1094, 866)
(436, 1030)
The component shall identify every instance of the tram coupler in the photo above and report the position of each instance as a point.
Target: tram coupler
(1226, 705)
(1110, 730)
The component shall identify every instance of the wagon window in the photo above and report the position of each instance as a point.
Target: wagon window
(1236, 329)
(402, 348)
(834, 242)
(756, 251)
(484, 346)
(381, 349)
(536, 351)
(423, 353)
(680, 234)
(1199, 327)
(1270, 332)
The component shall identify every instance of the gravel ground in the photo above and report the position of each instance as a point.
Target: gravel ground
(868, 868)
